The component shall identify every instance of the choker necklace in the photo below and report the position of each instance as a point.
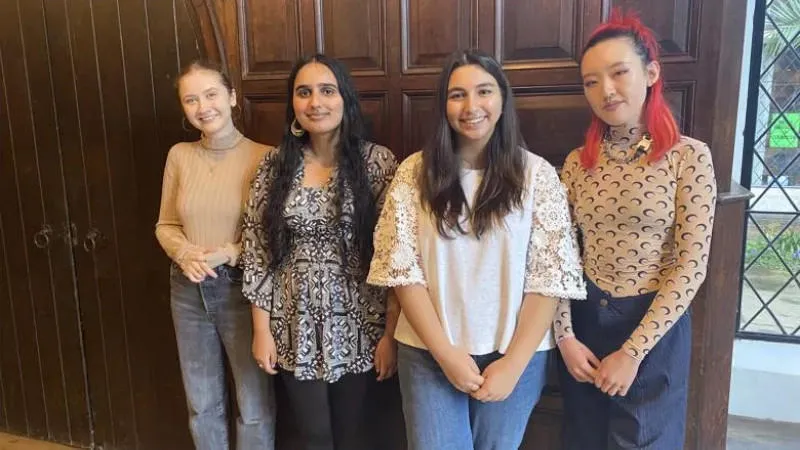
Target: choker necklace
(640, 148)
(221, 144)
(213, 151)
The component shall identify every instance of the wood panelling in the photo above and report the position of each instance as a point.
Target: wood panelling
(87, 352)
(433, 30)
(271, 36)
(537, 30)
(44, 390)
(91, 208)
(542, 114)
(269, 112)
(360, 47)
(276, 33)
(375, 107)
(18, 172)
(418, 121)
(680, 97)
(674, 21)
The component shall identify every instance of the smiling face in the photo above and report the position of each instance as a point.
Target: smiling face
(615, 81)
(474, 104)
(318, 105)
(206, 101)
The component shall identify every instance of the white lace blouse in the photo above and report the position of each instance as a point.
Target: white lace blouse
(477, 285)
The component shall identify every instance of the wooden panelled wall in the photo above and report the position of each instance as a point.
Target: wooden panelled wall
(394, 49)
(88, 113)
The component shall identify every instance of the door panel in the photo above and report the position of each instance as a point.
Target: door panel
(362, 48)
(125, 56)
(89, 206)
(88, 113)
(43, 378)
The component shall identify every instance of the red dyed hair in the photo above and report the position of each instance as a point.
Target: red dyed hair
(658, 118)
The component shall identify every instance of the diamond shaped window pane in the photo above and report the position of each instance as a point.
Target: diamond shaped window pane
(786, 307)
(770, 297)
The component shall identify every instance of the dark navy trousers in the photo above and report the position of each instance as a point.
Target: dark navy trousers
(652, 416)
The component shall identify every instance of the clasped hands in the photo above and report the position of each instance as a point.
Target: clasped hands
(613, 375)
(197, 263)
(494, 384)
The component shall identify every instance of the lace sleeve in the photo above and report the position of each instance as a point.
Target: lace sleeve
(381, 167)
(553, 264)
(258, 281)
(396, 261)
(562, 321)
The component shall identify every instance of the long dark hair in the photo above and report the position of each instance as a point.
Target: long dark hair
(351, 172)
(503, 184)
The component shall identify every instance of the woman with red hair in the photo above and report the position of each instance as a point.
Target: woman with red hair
(642, 197)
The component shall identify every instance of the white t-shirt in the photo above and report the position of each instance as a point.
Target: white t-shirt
(477, 285)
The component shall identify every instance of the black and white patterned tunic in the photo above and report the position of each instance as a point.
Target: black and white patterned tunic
(325, 319)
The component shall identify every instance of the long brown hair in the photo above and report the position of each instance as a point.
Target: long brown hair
(503, 184)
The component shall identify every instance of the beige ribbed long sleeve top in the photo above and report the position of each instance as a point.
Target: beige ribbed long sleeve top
(205, 187)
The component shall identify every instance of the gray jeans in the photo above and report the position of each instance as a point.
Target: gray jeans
(211, 317)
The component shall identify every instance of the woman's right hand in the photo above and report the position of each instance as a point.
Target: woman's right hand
(461, 370)
(194, 266)
(264, 351)
(581, 363)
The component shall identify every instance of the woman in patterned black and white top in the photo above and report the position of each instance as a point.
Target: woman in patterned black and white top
(475, 238)
(307, 247)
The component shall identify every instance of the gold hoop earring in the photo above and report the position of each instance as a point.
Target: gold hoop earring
(295, 129)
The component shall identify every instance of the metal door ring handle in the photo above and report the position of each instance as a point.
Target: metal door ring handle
(90, 241)
(42, 237)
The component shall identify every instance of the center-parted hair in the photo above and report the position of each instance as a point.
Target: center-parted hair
(503, 184)
(658, 118)
(204, 64)
(351, 170)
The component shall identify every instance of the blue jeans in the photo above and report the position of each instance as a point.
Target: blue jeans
(210, 318)
(440, 417)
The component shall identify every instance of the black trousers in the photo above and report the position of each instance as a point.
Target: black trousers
(652, 415)
(332, 416)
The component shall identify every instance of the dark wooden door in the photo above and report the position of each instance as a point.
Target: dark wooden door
(88, 111)
(394, 49)
(43, 385)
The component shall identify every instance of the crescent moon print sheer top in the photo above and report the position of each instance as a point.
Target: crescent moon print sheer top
(645, 227)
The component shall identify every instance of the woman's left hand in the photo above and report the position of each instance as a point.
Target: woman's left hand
(386, 357)
(616, 373)
(501, 378)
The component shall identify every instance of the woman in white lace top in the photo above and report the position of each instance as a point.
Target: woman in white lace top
(475, 238)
